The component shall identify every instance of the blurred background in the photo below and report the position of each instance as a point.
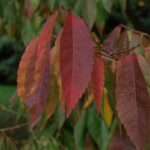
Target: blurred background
(20, 21)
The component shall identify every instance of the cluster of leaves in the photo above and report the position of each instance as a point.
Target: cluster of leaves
(50, 75)
(19, 17)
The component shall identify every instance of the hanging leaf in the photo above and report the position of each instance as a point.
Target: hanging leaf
(43, 49)
(37, 71)
(134, 40)
(56, 64)
(53, 96)
(110, 43)
(88, 101)
(132, 99)
(76, 59)
(26, 70)
(123, 43)
(145, 40)
(120, 141)
(79, 130)
(107, 4)
(145, 67)
(97, 80)
(147, 53)
(97, 129)
(89, 12)
(107, 111)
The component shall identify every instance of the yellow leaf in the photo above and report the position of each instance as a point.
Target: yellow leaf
(89, 98)
(53, 97)
(108, 113)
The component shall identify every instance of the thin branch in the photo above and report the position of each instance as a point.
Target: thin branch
(13, 127)
(125, 51)
(138, 32)
(7, 109)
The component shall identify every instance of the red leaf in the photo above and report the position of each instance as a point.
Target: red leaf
(43, 48)
(36, 78)
(110, 43)
(26, 70)
(76, 59)
(39, 92)
(120, 141)
(36, 102)
(133, 103)
(98, 80)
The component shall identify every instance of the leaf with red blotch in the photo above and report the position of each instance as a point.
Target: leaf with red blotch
(37, 71)
(132, 99)
(110, 43)
(76, 59)
(26, 69)
(97, 80)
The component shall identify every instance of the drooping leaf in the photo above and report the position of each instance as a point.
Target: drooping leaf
(147, 53)
(145, 40)
(100, 17)
(107, 111)
(123, 43)
(120, 141)
(88, 98)
(89, 12)
(110, 43)
(43, 47)
(132, 99)
(26, 69)
(97, 80)
(134, 40)
(107, 4)
(145, 67)
(53, 97)
(79, 130)
(35, 83)
(97, 129)
(76, 59)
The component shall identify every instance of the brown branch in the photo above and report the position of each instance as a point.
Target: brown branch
(125, 51)
(138, 32)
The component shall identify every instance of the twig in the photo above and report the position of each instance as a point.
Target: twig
(7, 109)
(13, 127)
(138, 32)
(125, 51)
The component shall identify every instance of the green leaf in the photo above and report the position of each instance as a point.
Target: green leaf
(101, 15)
(108, 4)
(89, 12)
(79, 132)
(97, 129)
(68, 139)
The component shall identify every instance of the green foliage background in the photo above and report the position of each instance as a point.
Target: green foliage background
(20, 21)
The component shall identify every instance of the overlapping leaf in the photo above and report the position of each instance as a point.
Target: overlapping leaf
(107, 111)
(55, 92)
(97, 80)
(110, 42)
(89, 12)
(26, 70)
(76, 59)
(133, 103)
(39, 71)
